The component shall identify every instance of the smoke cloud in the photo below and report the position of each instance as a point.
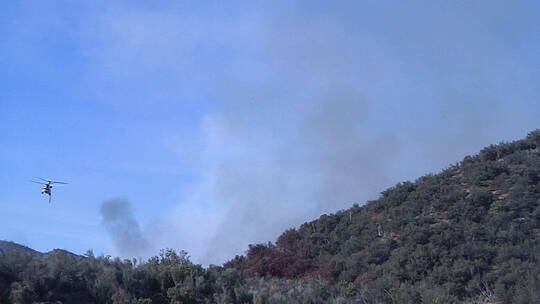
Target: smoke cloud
(312, 109)
(323, 160)
(124, 229)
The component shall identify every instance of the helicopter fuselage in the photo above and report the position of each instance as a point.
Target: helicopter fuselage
(46, 189)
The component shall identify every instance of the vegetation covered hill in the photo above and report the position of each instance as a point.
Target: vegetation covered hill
(472, 229)
(11, 247)
(467, 234)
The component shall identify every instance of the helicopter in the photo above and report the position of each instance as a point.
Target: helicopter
(47, 186)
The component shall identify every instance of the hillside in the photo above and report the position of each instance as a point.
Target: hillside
(471, 229)
(468, 234)
(7, 247)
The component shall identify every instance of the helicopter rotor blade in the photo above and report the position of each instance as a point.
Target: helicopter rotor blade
(41, 183)
(58, 183)
(46, 180)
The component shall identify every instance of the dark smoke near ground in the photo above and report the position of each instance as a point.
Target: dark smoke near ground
(125, 231)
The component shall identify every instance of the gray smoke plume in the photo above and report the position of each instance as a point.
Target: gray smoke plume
(126, 234)
(323, 160)
(343, 106)
(316, 107)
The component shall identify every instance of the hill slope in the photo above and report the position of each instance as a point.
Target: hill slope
(7, 247)
(472, 228)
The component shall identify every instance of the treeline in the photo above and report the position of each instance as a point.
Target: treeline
(466, 235)
(170, 277)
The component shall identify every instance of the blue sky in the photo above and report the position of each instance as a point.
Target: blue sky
(223, 123)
